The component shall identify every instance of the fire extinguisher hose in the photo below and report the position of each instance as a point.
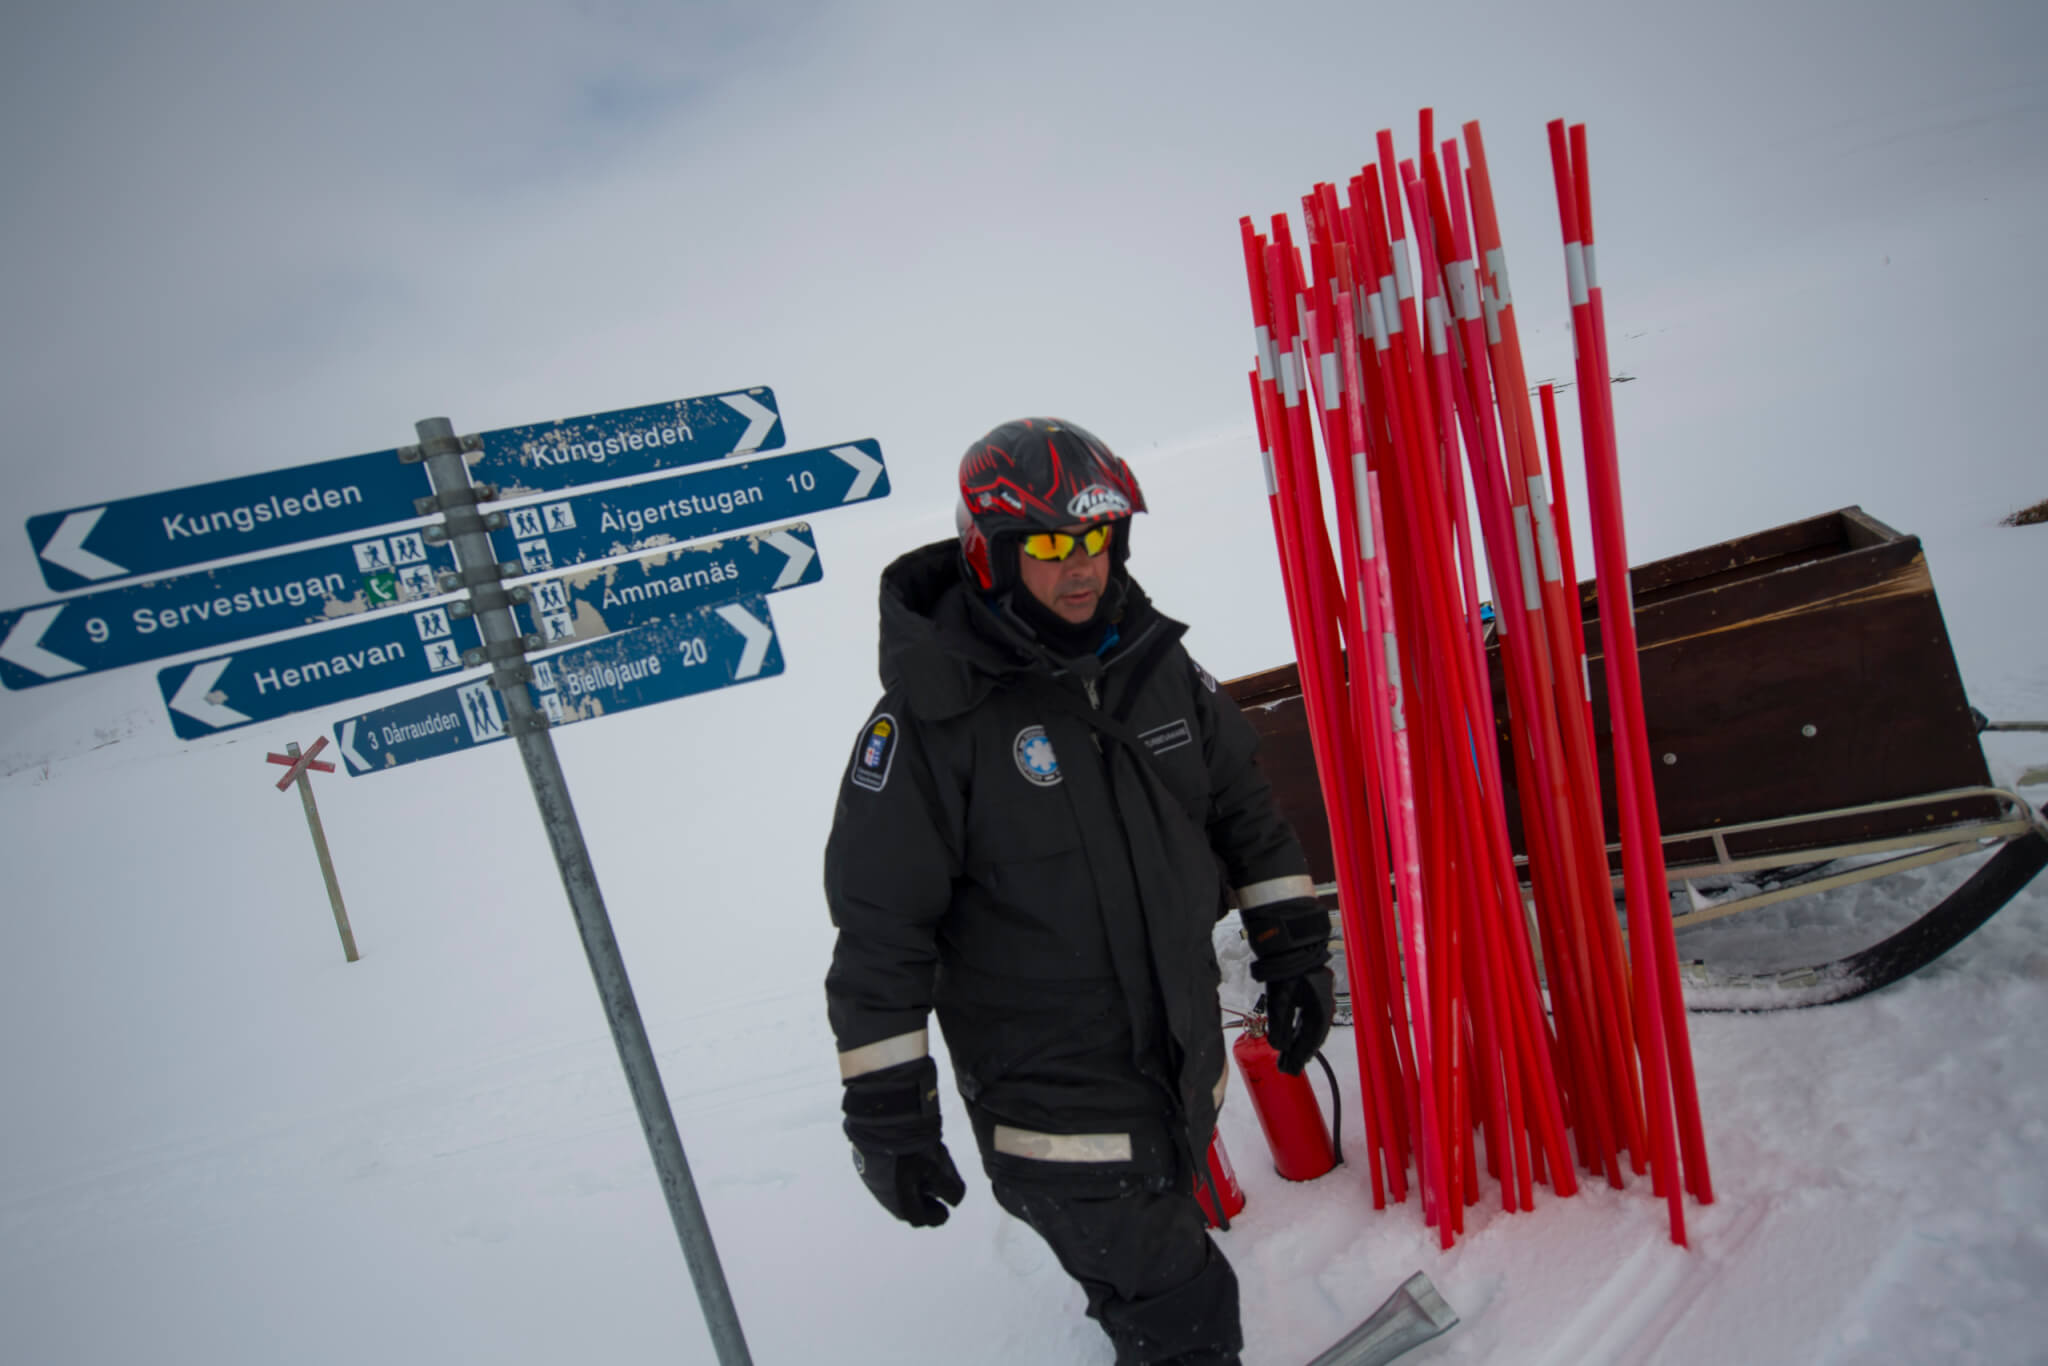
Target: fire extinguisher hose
(1336, 1109)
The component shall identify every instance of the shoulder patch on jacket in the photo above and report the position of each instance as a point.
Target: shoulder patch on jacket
(1034, 756)
(1208, 679)
(877, 752)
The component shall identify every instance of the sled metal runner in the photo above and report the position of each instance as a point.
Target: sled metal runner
(1810, 730)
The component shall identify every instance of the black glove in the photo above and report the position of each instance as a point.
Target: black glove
(1291, 944)
(1298, 1015)
(892, 1116)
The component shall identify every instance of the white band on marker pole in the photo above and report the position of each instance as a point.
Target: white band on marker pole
(1394, 702)
(1438, 345)
(1290, 379)
(1361, 495)
(1333, 381)
(1546, 530)
(1575, 272)
(1262, 342)
(1379, 322)
(1391, 301)
(1592, 275)
(1497, 267)
(1404, 286)
(1526, 543)
(1464, 290)
(1272, 482)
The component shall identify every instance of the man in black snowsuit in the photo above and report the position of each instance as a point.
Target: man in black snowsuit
(1028, 839)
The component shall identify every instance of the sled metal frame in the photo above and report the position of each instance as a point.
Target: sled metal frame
(1919, 849)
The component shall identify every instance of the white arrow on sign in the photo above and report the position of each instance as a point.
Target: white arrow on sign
(191, 695)
(800, 557)
(24, 644)
(757, 637)
(866, 470)
(356, 762)
(66, 547)
(760, 420)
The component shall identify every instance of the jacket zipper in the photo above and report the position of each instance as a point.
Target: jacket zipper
(1088, 684)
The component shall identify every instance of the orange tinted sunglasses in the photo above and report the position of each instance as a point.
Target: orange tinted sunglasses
(1057, 545)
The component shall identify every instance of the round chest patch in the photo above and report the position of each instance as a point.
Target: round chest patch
(1035, 759)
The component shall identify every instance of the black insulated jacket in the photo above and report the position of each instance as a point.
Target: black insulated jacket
(1037, 848)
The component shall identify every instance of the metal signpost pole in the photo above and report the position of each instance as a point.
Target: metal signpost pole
(505, 646)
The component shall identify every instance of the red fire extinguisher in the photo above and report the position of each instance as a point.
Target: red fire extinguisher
(1220, 1188)
(1286, 1106)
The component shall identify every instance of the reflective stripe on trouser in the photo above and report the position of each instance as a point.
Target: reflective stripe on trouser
(1101, 1147)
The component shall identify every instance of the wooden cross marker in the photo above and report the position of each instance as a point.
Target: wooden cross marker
(299, 765)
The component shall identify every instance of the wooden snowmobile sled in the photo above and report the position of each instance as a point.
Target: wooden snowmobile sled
(1809, 733)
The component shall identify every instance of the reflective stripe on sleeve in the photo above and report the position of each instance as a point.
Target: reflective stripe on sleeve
(873, 1057)
(1222, 1086)
(1275, 889)
(1062, 1147)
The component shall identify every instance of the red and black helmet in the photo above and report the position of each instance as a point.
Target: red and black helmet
(1037, 474)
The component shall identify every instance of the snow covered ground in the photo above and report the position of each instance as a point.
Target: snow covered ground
(227, 1145)
(222, 1144)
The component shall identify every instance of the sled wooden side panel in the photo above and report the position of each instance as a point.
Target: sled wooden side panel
(1272, 702)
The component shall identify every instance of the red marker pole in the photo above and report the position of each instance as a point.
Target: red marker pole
(1496, 895)
(1576, 844)
(1521, 652)
(1524, 652)
(1281, 403)
(298, 764)
(1343, 448)
(1384, 388)
(1677, 1032)
(1387, 732)
(1617, 613)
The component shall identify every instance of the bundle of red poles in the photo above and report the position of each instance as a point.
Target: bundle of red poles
(1472, 1049)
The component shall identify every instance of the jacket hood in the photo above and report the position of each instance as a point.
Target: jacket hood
(945, 648)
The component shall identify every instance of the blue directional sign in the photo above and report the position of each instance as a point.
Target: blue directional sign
(316, 670)
(587, 603)
(545, 456)
(159, 532)
(178, 528)
(699, 651)
(697, 503)
(132, 623)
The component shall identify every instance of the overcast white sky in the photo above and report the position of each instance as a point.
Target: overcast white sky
(238, 236)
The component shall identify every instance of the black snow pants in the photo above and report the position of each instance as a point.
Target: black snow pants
(1131, 1232)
